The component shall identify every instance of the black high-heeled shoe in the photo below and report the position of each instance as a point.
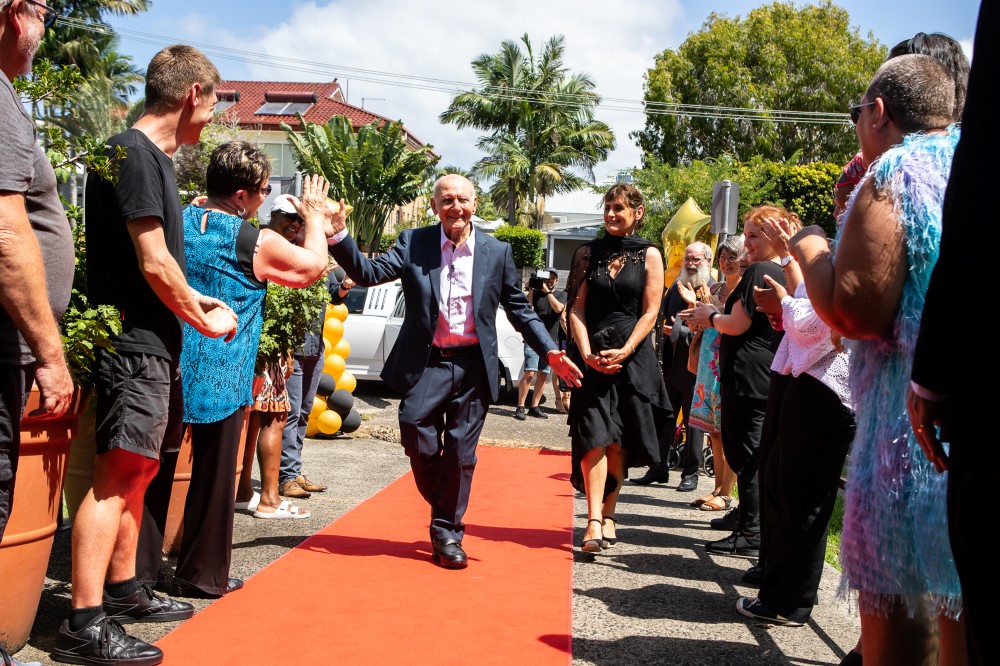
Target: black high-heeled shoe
(610, 541)
(593, 545)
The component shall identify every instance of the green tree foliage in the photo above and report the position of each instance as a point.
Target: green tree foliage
(84, 38)
(191, 161)
(806, 189)
(374, 170)
(539, 123)
(526, 244)
(781, 56)
(85, 328)
(666, 187)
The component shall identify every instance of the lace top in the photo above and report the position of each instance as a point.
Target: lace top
(806, 347)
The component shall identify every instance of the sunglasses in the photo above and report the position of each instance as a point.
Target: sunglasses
(266, 190)
(49, 15)
(855, 110)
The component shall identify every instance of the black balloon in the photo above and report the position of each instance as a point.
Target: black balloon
(351, 422)
(327, 385)
(341, 401)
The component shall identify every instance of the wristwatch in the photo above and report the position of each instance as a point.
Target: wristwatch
(787, 259)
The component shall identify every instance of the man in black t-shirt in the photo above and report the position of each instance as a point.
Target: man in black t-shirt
(135, 262)
(548, 303)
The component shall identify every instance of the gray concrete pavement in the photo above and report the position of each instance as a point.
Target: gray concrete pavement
(657, 597)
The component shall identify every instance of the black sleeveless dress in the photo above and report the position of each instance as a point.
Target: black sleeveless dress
(630, 407)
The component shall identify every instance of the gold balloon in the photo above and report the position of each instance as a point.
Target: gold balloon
(689, 224)
(319, 406)
(347, 382)
(342, 348)
(312, 427)
(340, 311)
(334, 366)
(329, 311)
(329, 422)
(333, 329)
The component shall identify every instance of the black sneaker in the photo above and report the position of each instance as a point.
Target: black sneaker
(729, 522)
(144, 605)
(519, 414)
(101, 643)
(754, 575)
(755, 608)
(537, 413)
(736, 543)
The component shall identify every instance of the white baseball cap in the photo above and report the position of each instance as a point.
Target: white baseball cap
(283, 204)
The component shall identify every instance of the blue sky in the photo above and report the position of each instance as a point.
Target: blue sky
(402, 46)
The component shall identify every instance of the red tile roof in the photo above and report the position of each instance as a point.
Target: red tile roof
(329, 103)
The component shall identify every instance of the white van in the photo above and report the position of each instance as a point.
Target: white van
(373, 323)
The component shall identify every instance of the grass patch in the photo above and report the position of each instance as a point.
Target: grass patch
(836, 526)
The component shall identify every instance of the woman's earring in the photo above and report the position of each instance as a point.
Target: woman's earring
(242, 212)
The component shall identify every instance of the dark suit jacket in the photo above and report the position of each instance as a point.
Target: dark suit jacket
(415, 259)
(943, 360)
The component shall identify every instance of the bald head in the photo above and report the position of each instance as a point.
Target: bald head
(454, 202)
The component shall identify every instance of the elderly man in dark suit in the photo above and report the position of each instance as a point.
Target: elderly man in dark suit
(447, 365)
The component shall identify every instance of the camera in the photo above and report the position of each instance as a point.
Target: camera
(538, 280)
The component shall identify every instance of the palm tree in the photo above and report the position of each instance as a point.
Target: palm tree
(374, 170)
(540, 123)
(70, 44)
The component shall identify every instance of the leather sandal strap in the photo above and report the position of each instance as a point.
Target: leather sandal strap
(611, 519)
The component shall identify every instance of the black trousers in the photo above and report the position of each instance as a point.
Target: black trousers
(768, 436)
(969, 483)
(207, 539)
(798, 492)
(440, 420)
(742, 419)
(15, 382)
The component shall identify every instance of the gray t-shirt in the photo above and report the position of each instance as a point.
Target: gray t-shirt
(25, 169)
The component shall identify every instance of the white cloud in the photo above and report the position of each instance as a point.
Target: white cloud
(614, 44)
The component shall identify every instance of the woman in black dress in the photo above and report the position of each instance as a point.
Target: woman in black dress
(616, 416)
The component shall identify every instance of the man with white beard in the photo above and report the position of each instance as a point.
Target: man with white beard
(36, 255)
(696, 271)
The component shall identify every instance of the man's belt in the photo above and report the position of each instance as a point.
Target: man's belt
(447, 352)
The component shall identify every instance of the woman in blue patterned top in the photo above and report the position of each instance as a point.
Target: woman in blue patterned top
(230, 259)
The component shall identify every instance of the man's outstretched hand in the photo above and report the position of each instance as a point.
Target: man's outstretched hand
(564, 367)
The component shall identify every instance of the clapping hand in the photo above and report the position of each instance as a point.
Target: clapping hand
(769, 300)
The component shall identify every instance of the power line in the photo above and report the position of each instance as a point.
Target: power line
(566, 100)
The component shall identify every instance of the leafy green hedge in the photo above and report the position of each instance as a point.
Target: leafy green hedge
(386, 241)
(528, 244)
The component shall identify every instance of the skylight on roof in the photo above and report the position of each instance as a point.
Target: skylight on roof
(283, 108)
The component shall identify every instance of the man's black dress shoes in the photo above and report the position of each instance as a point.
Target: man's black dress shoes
(652, 475)
(184, 589)
(449, 554)
(687, 484)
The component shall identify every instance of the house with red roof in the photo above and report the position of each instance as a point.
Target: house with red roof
(260, 107)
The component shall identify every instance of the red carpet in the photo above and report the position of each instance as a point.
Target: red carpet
(384, 601)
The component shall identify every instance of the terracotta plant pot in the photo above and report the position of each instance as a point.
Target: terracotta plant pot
(27, 542)
(173, 531)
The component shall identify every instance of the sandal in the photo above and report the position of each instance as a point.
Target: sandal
(593, 545)
(707, 498)
(712, 505)
(609, 541)
(250, 505)
(285, 510)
